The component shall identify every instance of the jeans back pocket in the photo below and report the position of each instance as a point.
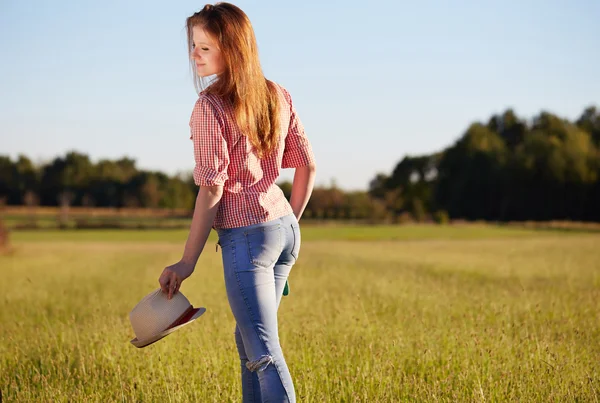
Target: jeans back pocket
(264, 245)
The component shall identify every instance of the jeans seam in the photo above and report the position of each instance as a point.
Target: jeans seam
(293, 244)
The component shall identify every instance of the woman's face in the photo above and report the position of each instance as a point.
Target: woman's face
(206, 54)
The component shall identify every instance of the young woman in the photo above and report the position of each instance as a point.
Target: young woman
(245, 130)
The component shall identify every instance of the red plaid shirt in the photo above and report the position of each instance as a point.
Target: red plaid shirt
(224, 156)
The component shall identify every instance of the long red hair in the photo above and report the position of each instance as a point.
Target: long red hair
(255, 99)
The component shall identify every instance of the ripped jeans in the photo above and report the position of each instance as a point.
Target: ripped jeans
(257, 260)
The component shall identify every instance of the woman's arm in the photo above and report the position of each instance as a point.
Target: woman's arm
(205, 210)
(207, 203)
(302, 187)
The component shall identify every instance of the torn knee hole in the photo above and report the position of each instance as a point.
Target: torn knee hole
(259, 365)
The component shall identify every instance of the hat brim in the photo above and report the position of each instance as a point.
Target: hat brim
(157, 337)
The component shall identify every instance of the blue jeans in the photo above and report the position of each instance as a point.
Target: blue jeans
(257, 260)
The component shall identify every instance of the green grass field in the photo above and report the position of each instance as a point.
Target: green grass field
(375, 314)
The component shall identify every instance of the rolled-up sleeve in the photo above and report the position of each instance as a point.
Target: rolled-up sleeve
(210, 147)
(298, 151)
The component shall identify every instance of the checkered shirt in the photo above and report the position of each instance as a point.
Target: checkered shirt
(224, 156)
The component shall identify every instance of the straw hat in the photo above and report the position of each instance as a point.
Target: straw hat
(155, 316)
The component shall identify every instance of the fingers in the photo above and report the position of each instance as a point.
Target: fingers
(173, 284)
(169, 283)
(164, 282)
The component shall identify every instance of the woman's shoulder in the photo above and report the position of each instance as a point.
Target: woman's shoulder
(208, 106)
(283, 91)
(209, 102)
(205, 98)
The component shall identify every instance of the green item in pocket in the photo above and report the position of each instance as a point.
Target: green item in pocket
(286, 289)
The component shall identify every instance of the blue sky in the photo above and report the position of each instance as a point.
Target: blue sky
(371, 82)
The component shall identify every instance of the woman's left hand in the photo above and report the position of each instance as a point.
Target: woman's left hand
(172, 276)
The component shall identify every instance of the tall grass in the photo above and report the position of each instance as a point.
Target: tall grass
(495, 316)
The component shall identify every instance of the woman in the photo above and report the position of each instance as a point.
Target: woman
(245, 130)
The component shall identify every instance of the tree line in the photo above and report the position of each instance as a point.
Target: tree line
(507, 169)
(75, 180)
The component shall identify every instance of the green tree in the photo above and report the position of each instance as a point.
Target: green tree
(378, 186)
(590, 122)
(509, 127)
(470, 175)
(26, 177)
(72, 174)
(555, 165)
(7, 178)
